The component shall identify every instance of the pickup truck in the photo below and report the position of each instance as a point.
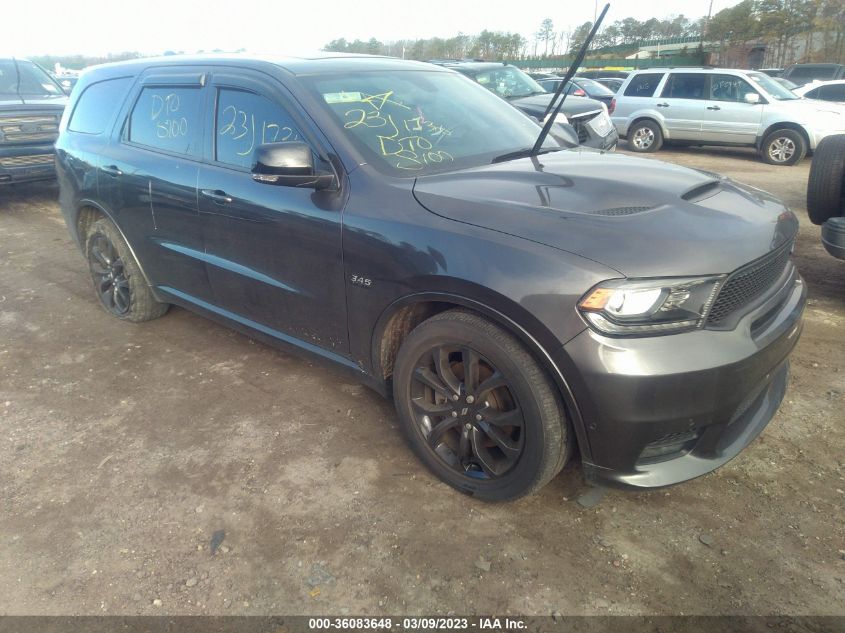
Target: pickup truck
(31, 106)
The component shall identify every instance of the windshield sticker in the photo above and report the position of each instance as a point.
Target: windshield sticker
(342, 97)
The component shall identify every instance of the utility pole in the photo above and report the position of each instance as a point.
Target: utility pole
(704, 30)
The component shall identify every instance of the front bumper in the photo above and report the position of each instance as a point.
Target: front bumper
(27, 163)
(665, 409)
(816, 135)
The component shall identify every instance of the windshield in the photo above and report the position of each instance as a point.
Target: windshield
(25, 79)
(509, 82)
(409, 123)
(776, 90)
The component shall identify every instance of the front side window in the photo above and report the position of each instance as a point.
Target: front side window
(167, 118)
(550, 84)
(416, 122)
(685, 86)
(644, 85)
(729, 88)
(246, 120)
(97, 105)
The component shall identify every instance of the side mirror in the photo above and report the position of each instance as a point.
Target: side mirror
(752, 97)
(289, 164)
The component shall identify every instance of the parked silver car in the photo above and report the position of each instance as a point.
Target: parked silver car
(823, 91)
(717, 106)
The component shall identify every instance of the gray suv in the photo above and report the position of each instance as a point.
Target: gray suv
(707, 106)
(516, 299)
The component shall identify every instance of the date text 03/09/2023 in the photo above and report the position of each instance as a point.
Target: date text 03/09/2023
(417, 624)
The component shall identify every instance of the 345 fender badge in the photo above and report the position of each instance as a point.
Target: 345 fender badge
(358, 280)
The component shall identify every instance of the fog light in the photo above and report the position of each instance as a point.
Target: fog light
(669, 446)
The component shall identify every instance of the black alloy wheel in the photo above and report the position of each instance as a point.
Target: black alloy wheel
(478, 409)
(466, 412)
(118, 281)
(109, 273)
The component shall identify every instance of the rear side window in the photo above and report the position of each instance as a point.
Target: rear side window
(835, 92)
(97, 105)
(685, 86)
(246, 120)
(643, 85)
(167, 118)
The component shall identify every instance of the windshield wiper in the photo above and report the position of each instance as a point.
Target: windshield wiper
(523, 153)
(550, 115)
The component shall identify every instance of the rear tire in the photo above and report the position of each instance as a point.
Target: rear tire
(784, 147)
(826, 186)
(118, 282)
(645, 136)
(477, 408)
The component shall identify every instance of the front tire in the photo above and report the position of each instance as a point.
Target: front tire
(784, 147)
(645, 136)
(477, 408)
(118, 282)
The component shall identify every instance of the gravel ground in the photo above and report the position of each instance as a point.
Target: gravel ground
(177, 467)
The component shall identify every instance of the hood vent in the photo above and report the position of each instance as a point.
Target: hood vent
(702, 192)
(620, 211)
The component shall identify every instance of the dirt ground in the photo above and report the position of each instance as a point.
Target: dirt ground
(125, 448)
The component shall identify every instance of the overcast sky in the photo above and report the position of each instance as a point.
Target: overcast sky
(151, 26)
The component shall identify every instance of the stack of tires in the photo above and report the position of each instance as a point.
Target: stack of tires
(826, 193)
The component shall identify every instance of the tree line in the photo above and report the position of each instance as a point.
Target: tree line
(816, 27)
(545, 42)
(486, 45)
(776, 23)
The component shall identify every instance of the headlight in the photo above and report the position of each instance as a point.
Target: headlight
(601, 124)
(650, 306)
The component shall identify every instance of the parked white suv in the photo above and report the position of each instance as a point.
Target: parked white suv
(718, 106)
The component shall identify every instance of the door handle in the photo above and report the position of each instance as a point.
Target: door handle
(713, 108)
(662, 105)
(112, 170)
(216, 195)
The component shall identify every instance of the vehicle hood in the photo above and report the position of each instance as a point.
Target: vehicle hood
(14, 102)
(810, 109)
(572, 107)
(641, 217)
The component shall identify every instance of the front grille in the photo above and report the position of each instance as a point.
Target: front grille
(581, 129)
(22, 129)
(26, 161)
(748, 283)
